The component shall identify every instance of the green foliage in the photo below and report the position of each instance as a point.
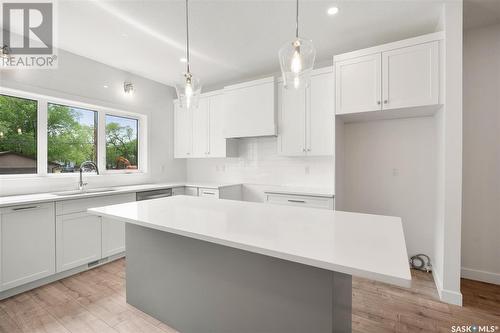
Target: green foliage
(121, 145)
(69, 141)
(18, 114)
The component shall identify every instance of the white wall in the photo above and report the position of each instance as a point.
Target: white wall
(448, 225)
(261, 168)
(81, 79)
(481, 168)
(389, 168)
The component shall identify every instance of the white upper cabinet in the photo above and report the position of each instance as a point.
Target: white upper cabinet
(320, 115)
(219, 146)
(201, 143)
(307, 117)
(292, 119)
(358, 84)
(410, 76)
(250, 109)
(183, 131)
(199, 132)
(395, 76)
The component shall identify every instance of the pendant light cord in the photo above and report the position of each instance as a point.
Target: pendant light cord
(297, 20)
(187, 35)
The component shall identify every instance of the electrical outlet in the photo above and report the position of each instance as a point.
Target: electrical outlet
(395, 172)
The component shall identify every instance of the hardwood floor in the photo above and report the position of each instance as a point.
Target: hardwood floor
(94, 301)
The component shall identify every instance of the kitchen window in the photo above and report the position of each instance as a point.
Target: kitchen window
(18, 135)
(47, 136)
(71, 137)
(122, 143)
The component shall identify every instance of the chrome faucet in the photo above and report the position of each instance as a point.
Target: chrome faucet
(87, 166)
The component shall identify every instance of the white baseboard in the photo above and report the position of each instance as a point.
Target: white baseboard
(483, 276)
(445, 295)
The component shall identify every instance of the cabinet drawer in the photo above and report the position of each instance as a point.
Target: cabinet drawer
(81, 205)
(189, 190)
(299, 200)
(208, 192)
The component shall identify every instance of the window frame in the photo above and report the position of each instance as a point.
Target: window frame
(96, 123)
(22, 95)
(102, 111)
(139, 157)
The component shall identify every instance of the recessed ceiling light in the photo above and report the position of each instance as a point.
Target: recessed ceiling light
(332, 10)
(105, 86)
(183, 60)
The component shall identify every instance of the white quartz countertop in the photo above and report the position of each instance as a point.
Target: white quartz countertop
(369, 246)
(95, 192)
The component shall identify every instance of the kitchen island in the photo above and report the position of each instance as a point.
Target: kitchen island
(204, 265)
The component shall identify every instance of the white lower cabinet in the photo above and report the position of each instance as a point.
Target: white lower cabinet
(179, 191)
(191, 190)
(78, 239)
(309, 201)
(113, 237)
(82, 238)
(27, 244)
(208, 193)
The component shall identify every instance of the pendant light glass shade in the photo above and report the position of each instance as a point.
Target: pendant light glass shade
(189, 87)
(188, 91)
(297, 59)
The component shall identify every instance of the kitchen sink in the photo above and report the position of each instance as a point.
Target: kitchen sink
(89, 191)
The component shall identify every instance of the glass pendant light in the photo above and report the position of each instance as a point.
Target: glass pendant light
(297, 59)
(189, 89)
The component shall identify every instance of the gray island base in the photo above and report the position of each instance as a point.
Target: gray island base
(197, 286)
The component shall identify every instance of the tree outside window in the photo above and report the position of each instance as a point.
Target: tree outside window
(71, 137)
(18, 135)
(121, 143)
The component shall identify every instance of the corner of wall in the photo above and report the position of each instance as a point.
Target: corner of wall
(445, 295)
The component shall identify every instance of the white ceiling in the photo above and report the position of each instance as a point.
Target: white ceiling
(230, 39)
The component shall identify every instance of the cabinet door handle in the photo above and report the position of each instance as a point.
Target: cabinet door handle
(386, 101)
(211, 193)
(296, 201)
(303, 149)
(378, 103)
(308, 149)
(25, 208)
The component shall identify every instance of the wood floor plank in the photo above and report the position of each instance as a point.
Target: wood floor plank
(70, 313)
(26, 315)
(94, 301)
(7, 324)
